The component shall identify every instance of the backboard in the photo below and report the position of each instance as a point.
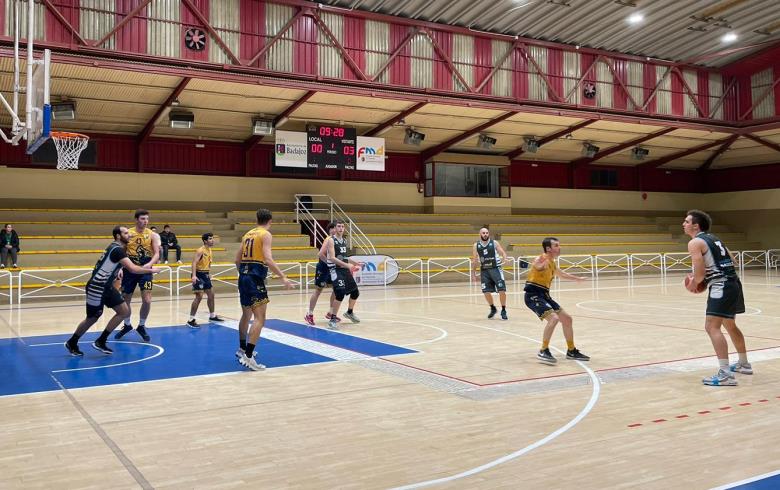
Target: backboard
(39, 125)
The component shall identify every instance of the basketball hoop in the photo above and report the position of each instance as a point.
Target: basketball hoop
(69, 148)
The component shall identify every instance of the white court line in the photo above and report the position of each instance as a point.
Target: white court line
(158, 354)
(595, 382)
(749, 480)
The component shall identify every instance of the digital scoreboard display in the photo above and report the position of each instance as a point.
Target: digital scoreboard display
(331, 147)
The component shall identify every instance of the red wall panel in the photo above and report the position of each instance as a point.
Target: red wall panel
(555, 73)
(354, 42)
(543, 174)
(588, 69)
(401, 66)
(703, 91)
(305, 55)
(183, 156)
(519, 75)
(483, 60)
(442, 77)
(672, 180)
(649, 83)
(56, 30)
(744, 97)
(678, 93)
(619, 96)
(132, 36)
(252, 21)
(743, 178)
(188, 20)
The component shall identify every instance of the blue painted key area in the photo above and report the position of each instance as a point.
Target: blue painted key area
(31, 364)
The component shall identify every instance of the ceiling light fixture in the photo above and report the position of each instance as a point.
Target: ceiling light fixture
(636, 18)
(729, 38)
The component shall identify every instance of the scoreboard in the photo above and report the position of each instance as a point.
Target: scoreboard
(331, 147)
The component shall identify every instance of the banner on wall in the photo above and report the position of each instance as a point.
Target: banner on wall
(370, 154)
(375, 269)
(290, 149)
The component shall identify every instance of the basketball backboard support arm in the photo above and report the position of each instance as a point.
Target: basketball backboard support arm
(36, 127)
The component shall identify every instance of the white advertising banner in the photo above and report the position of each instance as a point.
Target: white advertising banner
(375, 269)
(290, 149)
(370, 154)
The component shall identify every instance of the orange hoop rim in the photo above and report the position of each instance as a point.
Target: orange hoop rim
(67, 135)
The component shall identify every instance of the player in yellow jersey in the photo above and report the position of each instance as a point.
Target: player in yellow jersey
(142, 249)
(253, 260)
(538, 300)
(201, 281)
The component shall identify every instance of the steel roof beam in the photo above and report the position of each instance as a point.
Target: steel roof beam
(468, 134)
(551, 137)
(721, 150)
(383, 127)
(149, 127)
(690, 151)
(620, 147)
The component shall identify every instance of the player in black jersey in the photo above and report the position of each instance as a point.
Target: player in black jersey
(321, 276)
(713, 264)
(487, 266)
(101, 291)
(343, 283)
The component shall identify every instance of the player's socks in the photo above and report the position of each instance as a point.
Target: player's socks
(250, 348)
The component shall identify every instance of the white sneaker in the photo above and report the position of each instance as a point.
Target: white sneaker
(240, 354)
(165, 262)
(352, 317)
(721, 378)
(333, 324)
(741, 368)
(249, 362)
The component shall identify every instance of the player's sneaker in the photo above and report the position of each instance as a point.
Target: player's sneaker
(741, 368)
(576, 355)
(216, 318)
(124, 331)
(240, 352)
(504, 315)
(721, 378)
(309, 318)
(352, 317)
(250, 363)
(493, 312)
(333, 324)
(143, 333)
(101, 346)
(73, 349)
(328, 316)
(193, 324)
(546, 356)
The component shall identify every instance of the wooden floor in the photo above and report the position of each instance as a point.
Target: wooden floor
(472, 408)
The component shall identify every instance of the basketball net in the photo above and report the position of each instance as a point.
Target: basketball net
(69, 148)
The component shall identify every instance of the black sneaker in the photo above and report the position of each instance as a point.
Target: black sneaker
(493, 312)
(216, 318)
(193, 324)
(142, 332)
(101, 346)
(503, 315)
(73, 349)
(546, 357)
(576, 355)
(124, 331)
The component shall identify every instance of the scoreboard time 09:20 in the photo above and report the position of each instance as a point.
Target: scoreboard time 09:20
(331, 147)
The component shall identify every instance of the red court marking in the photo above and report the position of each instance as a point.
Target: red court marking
(682, 416)
(704, 412)
(745, 404)
(635, 425)
(724, 408)
(763, 401)
(658, 421)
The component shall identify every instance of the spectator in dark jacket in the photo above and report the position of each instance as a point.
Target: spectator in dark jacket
(9, 245)
(169, 240)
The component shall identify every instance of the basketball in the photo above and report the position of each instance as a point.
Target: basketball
(699, 289)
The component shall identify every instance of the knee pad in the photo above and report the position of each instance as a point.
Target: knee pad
(339, 295)
(354, 294)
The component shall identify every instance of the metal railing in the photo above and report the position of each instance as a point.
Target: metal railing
(10, 293)
(324, 207)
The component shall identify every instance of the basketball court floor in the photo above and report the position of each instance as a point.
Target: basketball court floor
(425, 391)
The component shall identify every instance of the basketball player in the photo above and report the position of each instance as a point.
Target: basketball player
(143, 249)
(537, 298)
(201, 281)
(714, 265)
(341, 275)
(253, 259)
(321, 277)
(492, 276)
(101, 291)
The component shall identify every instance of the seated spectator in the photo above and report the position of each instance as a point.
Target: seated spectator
(168, 240)
(9, 245)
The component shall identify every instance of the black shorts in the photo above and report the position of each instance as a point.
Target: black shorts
(204, 282)
(493, 280)
(322, 275)
(343, 282)
(130, 281)
(725, 299)
(539, 301)
(251, 290)
(111, 298)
